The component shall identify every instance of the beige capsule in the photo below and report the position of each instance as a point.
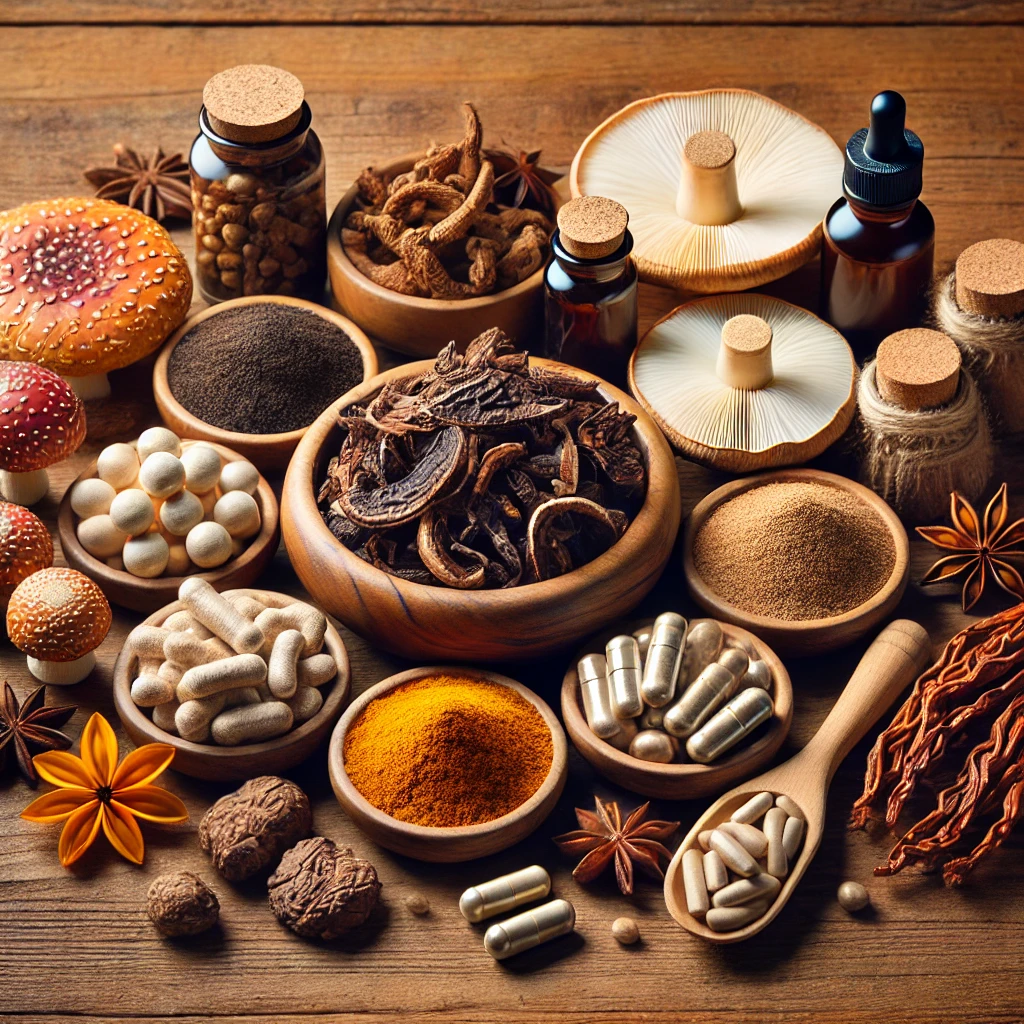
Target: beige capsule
(792, 836)
(753, 809)
(622, 655)
(699, 701)
(729, 919)
(499, 895)
(774, 827)
(735, 856)
(664, 658)
(695, 883)
(716, 874)
(738, 719)
(746, 890)
(752, 839)
(597, 706)
(529, 929)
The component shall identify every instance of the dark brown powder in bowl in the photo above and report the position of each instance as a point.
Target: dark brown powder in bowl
(263, 369)
(795, 550)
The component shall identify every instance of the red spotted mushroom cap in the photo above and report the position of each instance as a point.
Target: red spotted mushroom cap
(25, 547)
(41, 419)
(87, 285)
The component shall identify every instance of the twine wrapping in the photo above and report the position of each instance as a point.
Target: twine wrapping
(915, 459)
(993, 351)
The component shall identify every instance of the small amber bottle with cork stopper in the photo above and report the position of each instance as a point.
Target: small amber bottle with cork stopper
(590, 289)
(878, 242)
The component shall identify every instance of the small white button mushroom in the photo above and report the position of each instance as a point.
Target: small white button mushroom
(208, 545)
(91, 497)
(162, 475)
(239, 476)
(118, 465)
(146, 556)
(100, 537)
(180, 512)
(132, 511)
(202, 468)
(238, 513)
(158, 439)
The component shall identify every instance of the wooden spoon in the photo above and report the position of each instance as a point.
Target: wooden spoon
(898, 655)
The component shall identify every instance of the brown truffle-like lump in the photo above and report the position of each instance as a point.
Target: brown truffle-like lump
(182, 904)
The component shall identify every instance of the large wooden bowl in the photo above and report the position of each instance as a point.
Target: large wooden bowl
(146, 595)
(265, 451)
(688, 780)
(230, 764)
(422, 327)
(811, 636)
(447, 845)
(420, 621)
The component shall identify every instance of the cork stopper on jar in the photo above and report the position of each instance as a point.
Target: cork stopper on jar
(708, 192)
(745, 355)
(990, 278)
(918, 369)
(592, 227)
(253, 103)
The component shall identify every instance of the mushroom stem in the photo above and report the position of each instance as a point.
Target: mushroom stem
(745, 355)
(24, 488)
(95, 385)
(708, 193)
(62, 673)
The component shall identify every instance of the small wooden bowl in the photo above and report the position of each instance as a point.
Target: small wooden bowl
(681, 781)
(447, 845)
(229, 764)
(812, 636)
(147, 595)
(419, 621)
(422, 327)
(265, 451)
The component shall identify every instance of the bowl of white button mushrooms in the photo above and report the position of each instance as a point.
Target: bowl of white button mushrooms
(240, 683)
(675, 709)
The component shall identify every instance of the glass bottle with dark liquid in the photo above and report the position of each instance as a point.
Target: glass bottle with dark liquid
(878, 242)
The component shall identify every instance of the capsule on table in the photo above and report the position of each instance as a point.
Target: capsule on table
(529, 929)
(664, 658)
(622, 739)
(594, 689)
(505, 893)
(654, 745)
(704, 641)
(622, 654)
(739, 718)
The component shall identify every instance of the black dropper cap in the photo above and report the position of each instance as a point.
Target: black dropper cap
(883, 162)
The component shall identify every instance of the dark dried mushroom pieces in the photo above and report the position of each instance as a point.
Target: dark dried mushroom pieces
(484, 472)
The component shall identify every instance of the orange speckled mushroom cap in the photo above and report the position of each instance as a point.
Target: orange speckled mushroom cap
(57, 615)
(87, 286)
(25, 547)
(41, 419)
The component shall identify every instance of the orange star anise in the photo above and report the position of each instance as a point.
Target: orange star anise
(95, 791)
(602, 837)
(982, 544)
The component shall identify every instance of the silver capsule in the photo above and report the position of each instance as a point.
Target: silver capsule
(664, 658)
(739, 718)
(706, 694)
(654, 745)
(704, 641)
(622, 739)
(758, 674)
(623, 657)
(643, 640)
(594, 689)
(505, 893)
(529, 929)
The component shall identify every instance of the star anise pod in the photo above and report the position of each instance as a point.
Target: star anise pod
(982, 544)
(602, 837)
(519, 180)
(31, 728)
(157, 185)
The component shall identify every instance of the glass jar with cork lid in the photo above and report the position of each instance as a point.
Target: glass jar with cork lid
(258, 199)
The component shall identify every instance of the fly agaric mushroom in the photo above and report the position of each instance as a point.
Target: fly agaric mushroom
(25, 547)
(725, 188)
(58, 617)
(42, 422)
(87, 286)
(744, 382)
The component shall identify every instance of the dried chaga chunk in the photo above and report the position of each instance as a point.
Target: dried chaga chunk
(181, 903)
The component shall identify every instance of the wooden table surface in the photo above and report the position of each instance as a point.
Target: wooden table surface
(382, 77)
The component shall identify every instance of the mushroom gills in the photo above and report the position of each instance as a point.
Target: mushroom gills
(62, 673)
(24, 488)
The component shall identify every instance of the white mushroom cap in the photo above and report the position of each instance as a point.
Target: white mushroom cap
(726, 398)
(701, 220)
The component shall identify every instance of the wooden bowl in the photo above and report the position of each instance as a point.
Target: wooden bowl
(230, 764)
(419, 621)
(681, 781)
(447, 845)
(811, 636)
(422, 327)
(147, 595)
(265, 451)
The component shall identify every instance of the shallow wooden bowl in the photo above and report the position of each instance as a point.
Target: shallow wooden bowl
(265, 451)
(681, 781)
(419, 621)
(146, 595)
(230, 764)
(422, 327)
(447, 845)
(812, 636)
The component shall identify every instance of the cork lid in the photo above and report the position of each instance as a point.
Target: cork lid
(592, 227)
(745, 358)
(918, 369)
(253, 103)
(709, 150)
(990, 278)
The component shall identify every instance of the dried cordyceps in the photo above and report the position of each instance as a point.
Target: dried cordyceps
(484, 472)
(436, 231)
(974, 691)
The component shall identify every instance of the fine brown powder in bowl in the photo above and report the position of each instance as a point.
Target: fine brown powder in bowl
(795, 550)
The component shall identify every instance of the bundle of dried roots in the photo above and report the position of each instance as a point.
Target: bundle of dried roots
(974, 693)
(484, 472)
(435, 231)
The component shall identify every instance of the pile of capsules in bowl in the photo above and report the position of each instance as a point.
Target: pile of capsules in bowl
(662, 687)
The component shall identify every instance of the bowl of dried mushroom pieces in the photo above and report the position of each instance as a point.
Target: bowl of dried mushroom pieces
(480, 506)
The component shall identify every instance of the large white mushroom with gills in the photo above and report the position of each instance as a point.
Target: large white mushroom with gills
(726, 189)
(743, 382)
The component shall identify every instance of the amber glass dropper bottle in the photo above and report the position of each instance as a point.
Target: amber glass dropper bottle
(878, 243)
